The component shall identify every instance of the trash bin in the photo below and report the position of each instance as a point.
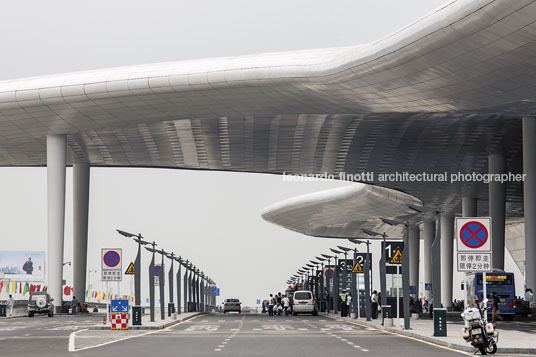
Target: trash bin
(3, 309)
(440, 322)
(387, 314)
(136, 315)
(170, 308)
(191, 306)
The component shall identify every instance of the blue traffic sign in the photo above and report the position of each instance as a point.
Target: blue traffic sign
(258, 301)
(412, 289)
(427, 286)
(119, 306)
(217, 291)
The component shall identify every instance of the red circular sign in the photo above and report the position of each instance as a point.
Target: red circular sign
(474, 234)
(111, 258)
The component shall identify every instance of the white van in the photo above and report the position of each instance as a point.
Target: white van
(304, 302)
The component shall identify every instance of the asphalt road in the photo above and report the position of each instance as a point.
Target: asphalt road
(41, 335)
(260, 335)
(210, 335)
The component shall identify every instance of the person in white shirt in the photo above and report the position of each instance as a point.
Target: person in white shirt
(349, 303)
(286, 304)
(374, 300)
(10, 305)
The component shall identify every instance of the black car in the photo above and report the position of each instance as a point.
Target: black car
(40, 303)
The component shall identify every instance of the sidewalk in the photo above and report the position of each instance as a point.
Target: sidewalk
(146, 324)
(510, 341)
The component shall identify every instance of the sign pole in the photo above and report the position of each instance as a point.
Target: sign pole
(484, 294)
(107, 300)
(397, 295)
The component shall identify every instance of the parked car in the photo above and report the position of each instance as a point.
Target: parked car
(304, 302)
(232, 305)
(40, 302)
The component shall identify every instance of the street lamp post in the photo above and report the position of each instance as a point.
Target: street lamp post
(161, 281)
(336, 281)
(367, 277)
(179, 260)
(185, 284)
(171, 305)
(322, 292)
(138, 238)
(151, 280)
(315, 279)
(328, 283)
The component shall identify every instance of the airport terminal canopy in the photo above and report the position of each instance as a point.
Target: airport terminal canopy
(437, 96)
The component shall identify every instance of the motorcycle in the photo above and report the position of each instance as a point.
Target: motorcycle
(480, 333)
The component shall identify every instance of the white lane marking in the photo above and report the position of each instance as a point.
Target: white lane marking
(73, 335)
(235, 329)
(224, 342)
(203, 327)
(303, 329)
(277, 327)
(221, 346)
(364, 350)
(257, 329)
(217, 349)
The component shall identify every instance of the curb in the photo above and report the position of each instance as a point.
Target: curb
(465, 348)
(166, 325)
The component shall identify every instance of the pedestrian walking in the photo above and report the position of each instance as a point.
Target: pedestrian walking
(271, 303)
(348, 304)
(374, 308)
(279, 299)
(495, 308)
(74, 304)
(286, 304)
(10, 305)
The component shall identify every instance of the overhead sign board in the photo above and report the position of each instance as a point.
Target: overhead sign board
(119, 305)
(130, 270)
(390, 249)
(473, 244)
(111, 264)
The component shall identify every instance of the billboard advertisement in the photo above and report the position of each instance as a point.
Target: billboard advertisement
(22, 265)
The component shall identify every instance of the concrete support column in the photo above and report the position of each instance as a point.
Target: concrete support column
(56, 160)
(429, 231)
(529, 200)
(497, 206)
(447, 259)
(80, 227)
(414, 249)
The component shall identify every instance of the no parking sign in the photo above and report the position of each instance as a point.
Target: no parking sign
(473, 244)
(111, 263)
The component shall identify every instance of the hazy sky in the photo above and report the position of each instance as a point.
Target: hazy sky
(213, 218)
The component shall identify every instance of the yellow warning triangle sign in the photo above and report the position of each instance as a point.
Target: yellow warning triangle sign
(397, 257)
(130, 269)
(357, 268)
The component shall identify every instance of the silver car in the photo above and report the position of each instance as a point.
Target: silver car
(232, 305)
